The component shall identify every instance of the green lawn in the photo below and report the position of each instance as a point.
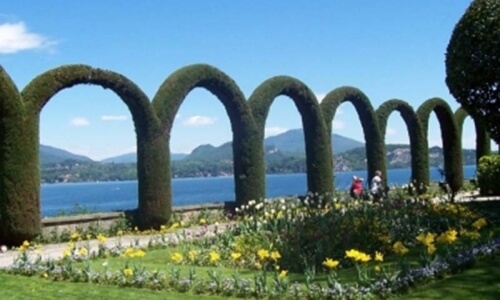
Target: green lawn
(22, 288)
(481, 282)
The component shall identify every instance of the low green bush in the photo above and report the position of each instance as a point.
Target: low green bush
(488, 173)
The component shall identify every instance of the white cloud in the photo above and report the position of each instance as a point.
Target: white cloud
(114, 118)
(199, 121)
(79, 122)
(391, 131)
(14, 37)
(270, 131)
(337, 124)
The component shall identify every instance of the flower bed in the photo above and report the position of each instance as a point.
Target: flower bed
(291, 249)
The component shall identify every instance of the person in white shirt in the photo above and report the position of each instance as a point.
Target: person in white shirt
(376, 186)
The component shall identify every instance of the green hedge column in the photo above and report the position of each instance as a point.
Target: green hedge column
(452, 145)
(317, 141)
(19, 186)
(249, 169)
(483, 142)
(417, 143)
(154, 200)
(374, 141)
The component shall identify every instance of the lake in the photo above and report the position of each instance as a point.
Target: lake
(122, 195)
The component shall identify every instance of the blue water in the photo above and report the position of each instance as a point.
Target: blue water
(113, 196)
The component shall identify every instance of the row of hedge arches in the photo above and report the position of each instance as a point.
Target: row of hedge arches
(19, 136)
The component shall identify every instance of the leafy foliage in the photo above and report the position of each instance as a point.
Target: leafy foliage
(473, 63)
(488, 174)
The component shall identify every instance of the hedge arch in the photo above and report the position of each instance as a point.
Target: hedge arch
(415, 134)
(374, 142)
(19, 206)
(483, 142)
(452, 144)
(249, 169)
(154, 207)
(317, 141)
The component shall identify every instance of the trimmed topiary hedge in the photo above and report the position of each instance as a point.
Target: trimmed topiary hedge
(19, 137)
(452, 144)
(318, 149)
(154, 200)
(483, 142)
(374, 141)
(417, 144)
(249, 169)
(19, 181)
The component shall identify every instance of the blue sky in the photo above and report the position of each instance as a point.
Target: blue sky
(388, 49)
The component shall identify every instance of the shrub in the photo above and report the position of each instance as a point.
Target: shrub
(488, 173)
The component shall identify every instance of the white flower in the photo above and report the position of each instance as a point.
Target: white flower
(104, 264)
(282, 200)
(3, 249)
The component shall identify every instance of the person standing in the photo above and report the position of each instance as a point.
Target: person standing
(356, 187)
(376, 189)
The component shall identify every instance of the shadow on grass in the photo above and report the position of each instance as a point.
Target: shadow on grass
(480, 282)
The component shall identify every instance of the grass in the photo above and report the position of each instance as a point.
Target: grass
(480, 282)
(21, 287)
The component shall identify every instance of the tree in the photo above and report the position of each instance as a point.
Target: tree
(473, 63)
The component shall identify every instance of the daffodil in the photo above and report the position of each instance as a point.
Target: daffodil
(379, 256)
(214, 256)
(479, 223)
(283, 274)
(192, 254)
(176, 257)
(263, 254)
(275, 255)
(399, 248)
(128, 272)
(330, 263)
(235, 255)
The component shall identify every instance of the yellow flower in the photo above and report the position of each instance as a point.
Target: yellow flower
(283, 274)
(275, 255)
(431, 249)
(66, 253)
(163, 228)
(75, 236)
(25, 244)
(214, 256)
(83, 251)
(330, 263)
(447, 237)
(363, 257)
(379, 256)
(119, 233)
(192, 255)
(258, 265)
(235, 255)
(101, 238)
(176, 257)
(479, 223)
(353, 253)
(426, 238)
(263, 254)
(203, 221)
(45, 275)
(377, 268)
(139, 253)
(128, 272)
(399, 248)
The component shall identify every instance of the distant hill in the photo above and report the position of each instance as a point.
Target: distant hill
(52, 155)
(132, 158)
(292, 141)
